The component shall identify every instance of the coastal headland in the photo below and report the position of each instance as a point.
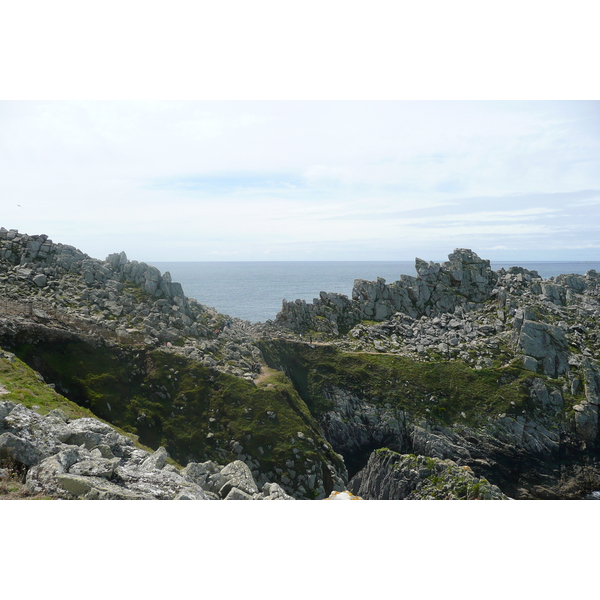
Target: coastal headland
(459, 383)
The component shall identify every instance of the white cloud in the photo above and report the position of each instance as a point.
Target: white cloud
(177, 181)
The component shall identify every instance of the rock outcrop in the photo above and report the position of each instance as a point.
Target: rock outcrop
(464, 281)
(392, 476)
(88, 459)
(122, 301)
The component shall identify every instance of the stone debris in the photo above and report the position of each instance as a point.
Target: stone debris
(87, 459)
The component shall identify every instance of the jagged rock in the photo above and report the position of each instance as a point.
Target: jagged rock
(90, 470)
(546, 343)
(155, 461)
(272, 491)
(94, 488)
(238, 475)
(43, 477)
(426, 443)
(97, 467)
(236, 494)
(91, 433)
(354, 424)
(5, 409)
(392, 476)
(438, 288)
(40, 280)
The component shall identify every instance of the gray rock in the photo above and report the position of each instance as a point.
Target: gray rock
(93, 488)
(272, 491)
(238, 475)
(155, 461)
(40, 280)
(237, 494)
(91, 433)
(19, 449)
(100, 467)
(530, 363)
(5, 410)
(392, 476)
(199, 473)
(545, 343)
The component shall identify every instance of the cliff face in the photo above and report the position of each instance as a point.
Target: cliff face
(494, 374)
(495, 371)
(520, 430)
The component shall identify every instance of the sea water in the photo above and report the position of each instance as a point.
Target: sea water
(254, 290)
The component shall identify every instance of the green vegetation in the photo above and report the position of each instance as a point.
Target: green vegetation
(440, 479)
(25, 387)
(137, 292)
(194, 412)
(443, 392)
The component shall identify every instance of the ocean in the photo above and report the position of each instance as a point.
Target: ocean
(253, 291)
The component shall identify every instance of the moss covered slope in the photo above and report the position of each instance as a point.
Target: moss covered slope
(442, 392)
(195, 412)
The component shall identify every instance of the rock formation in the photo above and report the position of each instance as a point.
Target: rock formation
(392, 476)
(87, 459)
(479, 384)
(464, 281)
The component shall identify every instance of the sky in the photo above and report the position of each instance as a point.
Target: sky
(305, 180)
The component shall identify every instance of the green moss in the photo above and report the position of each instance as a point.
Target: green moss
(439, 391)
(194, 412)
(25, 388)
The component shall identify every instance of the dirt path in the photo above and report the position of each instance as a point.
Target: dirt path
(265, 373)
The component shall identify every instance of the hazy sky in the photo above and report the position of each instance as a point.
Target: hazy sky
(306, 180)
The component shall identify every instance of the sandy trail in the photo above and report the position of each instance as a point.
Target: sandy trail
(265, 373)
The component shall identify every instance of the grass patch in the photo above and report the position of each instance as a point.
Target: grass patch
(442, 392)
(194, 412)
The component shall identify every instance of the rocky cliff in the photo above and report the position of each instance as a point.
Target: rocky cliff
(496, 371)
(493, 376)
(122, 340)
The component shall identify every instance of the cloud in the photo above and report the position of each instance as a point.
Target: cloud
(333, 180)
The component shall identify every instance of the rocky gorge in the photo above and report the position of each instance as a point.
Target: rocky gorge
(461, 382)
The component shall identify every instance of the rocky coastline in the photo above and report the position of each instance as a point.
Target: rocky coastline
(462, 382)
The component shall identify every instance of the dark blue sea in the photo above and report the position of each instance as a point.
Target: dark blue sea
(254, 290)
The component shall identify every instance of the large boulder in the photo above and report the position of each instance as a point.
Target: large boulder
(543, 342)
